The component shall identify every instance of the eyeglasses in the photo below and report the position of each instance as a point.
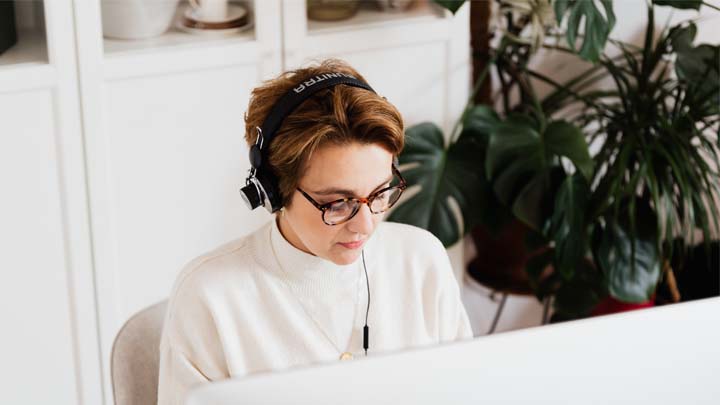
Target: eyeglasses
(342, 210)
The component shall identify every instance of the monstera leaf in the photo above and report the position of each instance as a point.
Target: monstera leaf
(698, 67)
(443, 174)
(627, 252)
(576, 297)
(568, 225)
(523, 163)
(452, 5)
(596, 27)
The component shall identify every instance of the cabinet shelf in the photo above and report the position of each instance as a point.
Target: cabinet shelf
(31, 49)
(185, 56)
(173, 39)
(25, 66)
(370, 16)
(175, 51)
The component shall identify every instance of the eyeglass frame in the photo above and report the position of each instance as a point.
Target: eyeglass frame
(368, 200)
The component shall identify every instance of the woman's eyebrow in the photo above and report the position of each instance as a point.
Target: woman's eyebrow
(346, 192)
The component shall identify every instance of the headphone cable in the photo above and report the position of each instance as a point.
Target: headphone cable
(366, 329)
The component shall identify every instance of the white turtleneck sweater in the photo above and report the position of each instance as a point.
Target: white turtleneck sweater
(260, 304)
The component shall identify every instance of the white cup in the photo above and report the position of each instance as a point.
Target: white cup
(210, 10)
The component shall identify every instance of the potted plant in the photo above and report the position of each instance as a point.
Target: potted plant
(604, 223)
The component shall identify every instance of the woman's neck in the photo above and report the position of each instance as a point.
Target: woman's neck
(287, 232)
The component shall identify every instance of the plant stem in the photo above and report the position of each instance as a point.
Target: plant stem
(562, 88)
(711, 6)
(468, 106)
(647, 66)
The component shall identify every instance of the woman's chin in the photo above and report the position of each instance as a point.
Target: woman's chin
(345, 258)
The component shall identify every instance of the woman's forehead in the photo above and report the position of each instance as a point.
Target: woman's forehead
(351, 167)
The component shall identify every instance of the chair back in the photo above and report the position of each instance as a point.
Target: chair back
(135, 358)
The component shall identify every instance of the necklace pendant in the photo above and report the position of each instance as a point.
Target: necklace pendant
(346, 356)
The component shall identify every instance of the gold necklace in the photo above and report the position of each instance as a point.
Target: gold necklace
(344, 355)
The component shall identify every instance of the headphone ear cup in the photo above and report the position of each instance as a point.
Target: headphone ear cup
(269, 184)
(252, 193)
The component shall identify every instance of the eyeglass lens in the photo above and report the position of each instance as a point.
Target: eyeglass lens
(342, 211)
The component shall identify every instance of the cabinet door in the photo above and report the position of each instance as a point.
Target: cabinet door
(35, 307)
(174, 158)
(418, 58)
(47, 300)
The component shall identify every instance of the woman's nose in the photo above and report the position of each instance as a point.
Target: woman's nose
(362, 222)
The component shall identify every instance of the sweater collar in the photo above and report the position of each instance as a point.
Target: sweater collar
(296, 264)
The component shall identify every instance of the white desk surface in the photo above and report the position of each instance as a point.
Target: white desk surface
(662, 355)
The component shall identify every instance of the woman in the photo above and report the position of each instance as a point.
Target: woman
(305, 288)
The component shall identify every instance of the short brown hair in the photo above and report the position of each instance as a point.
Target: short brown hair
(339, 115)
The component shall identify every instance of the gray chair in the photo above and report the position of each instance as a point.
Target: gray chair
(135, 358)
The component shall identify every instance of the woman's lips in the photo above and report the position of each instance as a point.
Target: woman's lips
(352, 245)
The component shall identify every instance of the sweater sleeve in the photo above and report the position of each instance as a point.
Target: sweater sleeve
(453, 320)
(191, 350)
(177, 375)
(455, 324)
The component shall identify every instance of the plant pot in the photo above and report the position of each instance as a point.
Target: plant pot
(331, 10)
(611, 306)
(500, 259)
(137, 19)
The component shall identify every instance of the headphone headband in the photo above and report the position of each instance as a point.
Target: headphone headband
(261, 185)
(291, 100)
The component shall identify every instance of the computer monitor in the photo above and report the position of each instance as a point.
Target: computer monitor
(661, 355)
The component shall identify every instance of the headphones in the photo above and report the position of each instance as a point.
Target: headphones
(261, 186)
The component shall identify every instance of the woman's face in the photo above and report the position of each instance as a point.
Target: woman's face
(335, 172)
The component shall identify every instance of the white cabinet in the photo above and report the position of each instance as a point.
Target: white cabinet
(49, 333)
(163, 123)
(123, 160)
(34, 297)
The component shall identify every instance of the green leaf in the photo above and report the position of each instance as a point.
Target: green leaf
(454, 173)
(560, 7)
(452, 5)
(535, 267)
(694, 63)
(565, 139)
(596, 27)
(630, 258)
(512, 144)
(681, 37)
(523, 164)
(568, 224)
(481, 120)
(682, 4)
(698, 67)
(576, 297)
